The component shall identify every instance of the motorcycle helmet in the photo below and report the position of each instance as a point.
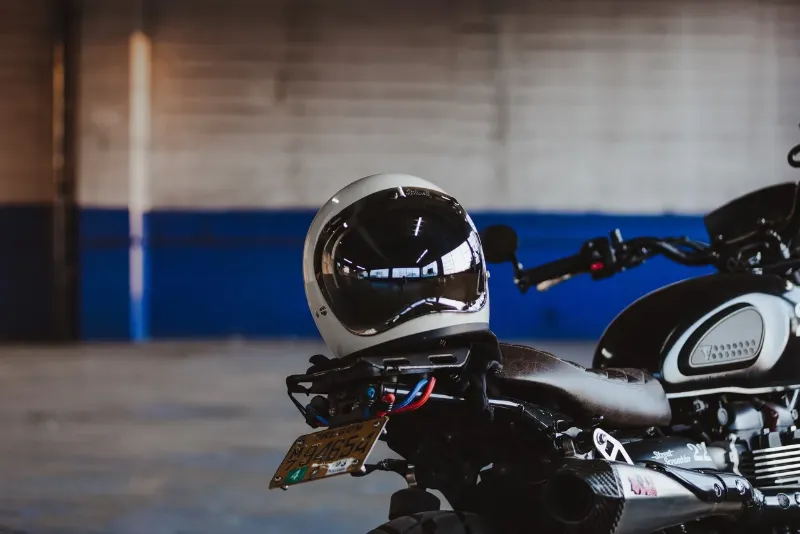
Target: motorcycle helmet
(392, 258)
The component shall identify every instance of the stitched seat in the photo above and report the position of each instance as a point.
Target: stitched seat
(624, 397)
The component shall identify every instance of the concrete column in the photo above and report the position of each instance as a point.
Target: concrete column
(139, 171)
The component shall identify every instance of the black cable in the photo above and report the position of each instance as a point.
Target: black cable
(794, 157)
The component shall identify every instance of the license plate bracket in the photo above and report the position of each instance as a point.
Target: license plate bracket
(330, 452)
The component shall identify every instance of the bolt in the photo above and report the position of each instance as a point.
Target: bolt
(740, 486)
(375, 424)
(717, 490)
(722, 416)
(277, 478)
(356, 461)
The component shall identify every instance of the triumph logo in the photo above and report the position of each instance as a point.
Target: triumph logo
(705, 350)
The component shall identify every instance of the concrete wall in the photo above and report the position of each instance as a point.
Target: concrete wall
(592, 105)
(564, 119)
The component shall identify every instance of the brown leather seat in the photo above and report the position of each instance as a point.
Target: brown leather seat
(624, 397)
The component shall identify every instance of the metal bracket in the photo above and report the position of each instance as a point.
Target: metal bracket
(602, 441)
(733, 454)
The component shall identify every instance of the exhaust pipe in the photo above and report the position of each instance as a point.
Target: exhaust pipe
(597, 496)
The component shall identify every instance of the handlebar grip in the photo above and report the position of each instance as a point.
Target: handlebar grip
(555, 269)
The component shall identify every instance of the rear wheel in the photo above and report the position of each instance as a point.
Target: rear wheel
(438, 522)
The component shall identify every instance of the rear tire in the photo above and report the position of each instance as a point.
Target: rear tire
(438, 522)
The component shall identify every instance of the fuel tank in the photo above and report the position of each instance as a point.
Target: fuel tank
(710, 332)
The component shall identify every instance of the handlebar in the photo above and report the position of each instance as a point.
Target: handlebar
(603, 257)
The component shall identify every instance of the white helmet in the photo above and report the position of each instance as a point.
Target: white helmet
(393, 258)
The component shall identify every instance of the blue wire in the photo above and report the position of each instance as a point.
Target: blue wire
(322, 420)
(412, 395)
(317, 417)
(406, 401)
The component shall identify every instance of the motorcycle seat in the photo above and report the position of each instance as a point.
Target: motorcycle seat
(624, 397)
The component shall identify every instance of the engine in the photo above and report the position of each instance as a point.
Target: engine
(754, 437)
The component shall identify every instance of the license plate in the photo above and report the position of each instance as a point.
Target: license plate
(327, 453)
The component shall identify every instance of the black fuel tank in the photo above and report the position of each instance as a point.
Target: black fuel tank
(719, 330)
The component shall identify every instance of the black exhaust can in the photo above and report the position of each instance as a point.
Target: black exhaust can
(601, 497)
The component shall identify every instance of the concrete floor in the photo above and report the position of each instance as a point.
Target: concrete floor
(168, 439)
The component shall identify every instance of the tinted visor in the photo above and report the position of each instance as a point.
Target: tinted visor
(399, 254)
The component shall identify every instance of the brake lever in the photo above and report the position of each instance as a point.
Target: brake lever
(547, 284)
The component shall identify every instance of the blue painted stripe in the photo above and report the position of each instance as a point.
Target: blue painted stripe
(104, 307)
(239, 273)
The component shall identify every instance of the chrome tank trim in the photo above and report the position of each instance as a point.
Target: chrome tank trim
(732, 390)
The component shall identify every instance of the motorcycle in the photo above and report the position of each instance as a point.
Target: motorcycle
(686, 422)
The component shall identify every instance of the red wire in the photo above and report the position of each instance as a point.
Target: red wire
(388, 399)
(419, 403)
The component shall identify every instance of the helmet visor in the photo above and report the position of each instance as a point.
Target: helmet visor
(399, 254)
